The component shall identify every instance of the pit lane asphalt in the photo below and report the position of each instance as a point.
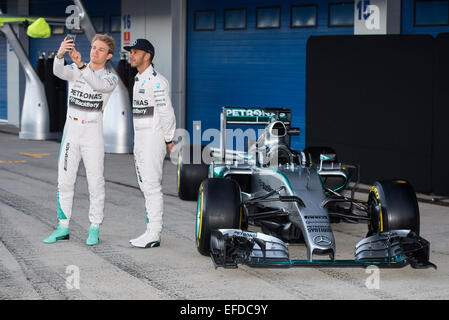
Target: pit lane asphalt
(30, 269)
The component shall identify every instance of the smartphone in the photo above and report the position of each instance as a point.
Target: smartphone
(71, 37)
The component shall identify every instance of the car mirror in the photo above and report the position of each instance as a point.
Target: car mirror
(328, 157)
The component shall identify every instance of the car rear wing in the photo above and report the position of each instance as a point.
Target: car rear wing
(253, 116)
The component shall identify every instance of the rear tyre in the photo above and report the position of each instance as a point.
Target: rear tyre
(190, 175)
(392, 205)
(218, 208)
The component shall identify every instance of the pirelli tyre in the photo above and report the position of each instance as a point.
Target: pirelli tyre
(189, 173)
(392, 205)
(218, 208)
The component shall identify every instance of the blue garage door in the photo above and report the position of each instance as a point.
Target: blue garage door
(425, 17)
(241, 64)
(3, 91)
(102, 12)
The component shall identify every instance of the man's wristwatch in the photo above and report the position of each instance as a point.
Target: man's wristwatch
(168, 142)
(82, 67)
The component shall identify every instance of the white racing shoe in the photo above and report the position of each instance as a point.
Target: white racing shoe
(147, 240)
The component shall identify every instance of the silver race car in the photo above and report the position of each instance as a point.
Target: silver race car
(293, 197)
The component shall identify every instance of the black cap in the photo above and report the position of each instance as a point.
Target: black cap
(141, 44)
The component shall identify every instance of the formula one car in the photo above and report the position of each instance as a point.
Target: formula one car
(293, 196)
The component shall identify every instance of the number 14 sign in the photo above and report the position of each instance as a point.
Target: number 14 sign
(368, 17)
(370, 13)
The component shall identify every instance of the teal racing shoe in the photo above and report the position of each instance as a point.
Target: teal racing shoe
(93, 236)
(60, 233)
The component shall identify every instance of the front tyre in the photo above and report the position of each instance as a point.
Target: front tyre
(218, 207)
(392, 205)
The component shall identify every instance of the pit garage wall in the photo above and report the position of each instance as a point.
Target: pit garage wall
(370, 97)
(381, 102)
(251, 67)
(408, 18)
(440, 141)
(439, 170)
(57, 8)
(3, 70)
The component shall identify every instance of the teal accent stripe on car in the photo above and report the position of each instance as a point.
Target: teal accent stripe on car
(285, 179)
(219, 172)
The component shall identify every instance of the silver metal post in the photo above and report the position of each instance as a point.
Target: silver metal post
(35, 118)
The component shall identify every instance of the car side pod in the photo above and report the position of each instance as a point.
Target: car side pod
(394, 249)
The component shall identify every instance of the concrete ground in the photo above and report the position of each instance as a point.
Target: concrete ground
(30, 269)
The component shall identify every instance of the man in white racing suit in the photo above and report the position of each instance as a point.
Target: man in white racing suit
(154, 129)
(89, 90)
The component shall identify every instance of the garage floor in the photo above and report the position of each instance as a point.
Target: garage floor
(30, 269)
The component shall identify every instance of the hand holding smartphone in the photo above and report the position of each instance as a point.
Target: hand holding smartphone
(71, 37)
(66, 45)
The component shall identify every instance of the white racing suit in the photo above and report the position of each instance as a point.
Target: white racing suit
(88, 94)
(154, 125)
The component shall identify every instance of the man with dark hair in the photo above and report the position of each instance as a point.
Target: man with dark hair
(90, 86)
(154, 128)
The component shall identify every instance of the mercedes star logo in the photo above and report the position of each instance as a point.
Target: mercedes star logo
(322, 241)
